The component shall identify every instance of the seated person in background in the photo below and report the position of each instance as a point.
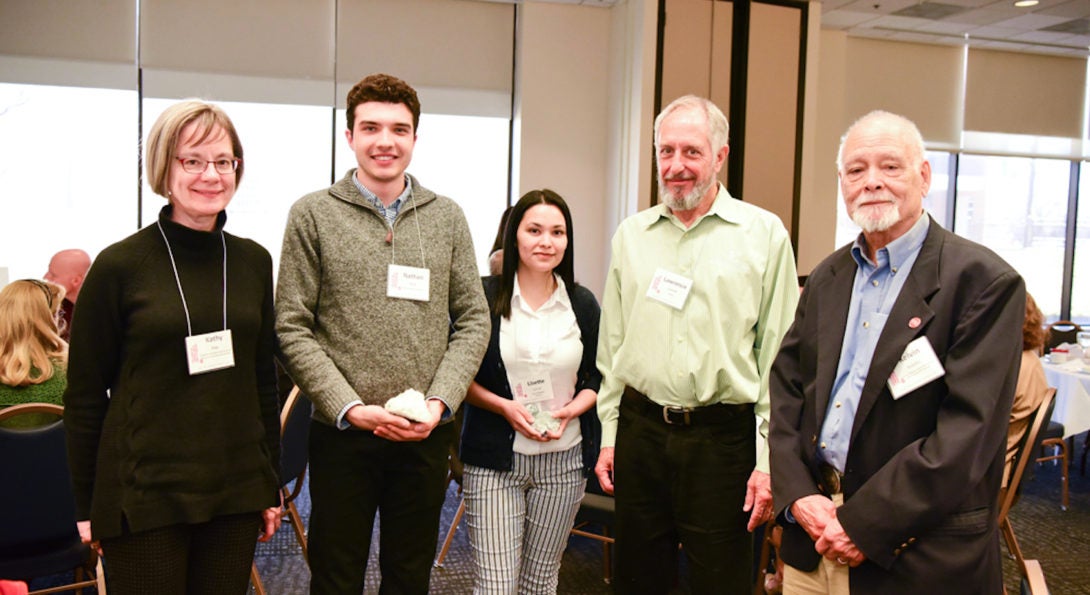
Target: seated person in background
(32, 354)
(495, 257)
(1032, 385)
(67, 268)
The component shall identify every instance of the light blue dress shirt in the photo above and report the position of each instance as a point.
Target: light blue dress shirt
(875, 289)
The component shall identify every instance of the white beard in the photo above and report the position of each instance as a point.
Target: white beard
(687, 201)
(871, 222)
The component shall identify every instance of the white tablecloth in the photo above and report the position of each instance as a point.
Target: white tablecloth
(1072, 382)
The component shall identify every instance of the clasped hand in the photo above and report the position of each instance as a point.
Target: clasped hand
(523, 421)
(392, 427)
(817, 515)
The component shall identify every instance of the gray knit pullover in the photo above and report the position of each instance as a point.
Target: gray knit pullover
(341, 338)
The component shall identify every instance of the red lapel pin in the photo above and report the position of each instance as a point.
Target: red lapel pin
(914, 322)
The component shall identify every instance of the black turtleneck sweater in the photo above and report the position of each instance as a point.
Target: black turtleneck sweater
(147, 442)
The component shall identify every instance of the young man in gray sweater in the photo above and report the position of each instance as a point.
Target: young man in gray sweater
(378, 293)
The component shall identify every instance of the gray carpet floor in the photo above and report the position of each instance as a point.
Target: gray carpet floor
(1059, 539)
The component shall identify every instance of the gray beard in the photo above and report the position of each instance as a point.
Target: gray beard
(687, 202)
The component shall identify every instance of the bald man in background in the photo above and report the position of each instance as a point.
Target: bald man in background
(67, 268)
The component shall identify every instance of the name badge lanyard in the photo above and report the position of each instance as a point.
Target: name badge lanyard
(209, 351)
(419, 238)
(408, 282)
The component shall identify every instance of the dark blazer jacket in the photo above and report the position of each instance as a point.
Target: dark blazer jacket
(923, 472)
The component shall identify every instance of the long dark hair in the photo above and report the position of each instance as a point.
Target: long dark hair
(566, 268)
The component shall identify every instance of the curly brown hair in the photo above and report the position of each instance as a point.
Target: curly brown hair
(386, 89)
(1033, 329)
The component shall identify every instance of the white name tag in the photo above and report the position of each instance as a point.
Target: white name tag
(919, 365)
(408, 283)
(669, 288)
(533, 388)
(210, 351)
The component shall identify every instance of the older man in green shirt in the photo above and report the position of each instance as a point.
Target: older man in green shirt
(699, 293)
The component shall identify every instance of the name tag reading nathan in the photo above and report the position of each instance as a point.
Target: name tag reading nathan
(408, 283)
(669, 288)
(918, 366)
(210, 351)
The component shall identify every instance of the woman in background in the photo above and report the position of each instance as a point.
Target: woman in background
(32, 353)
(1032, 385)
(171, 410)
(531, 433)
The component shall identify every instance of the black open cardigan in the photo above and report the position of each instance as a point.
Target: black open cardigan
(487, 438)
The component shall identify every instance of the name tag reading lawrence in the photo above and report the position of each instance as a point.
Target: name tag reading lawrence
(408, 283)
(918, 366)
(210, 351)
(669, 288)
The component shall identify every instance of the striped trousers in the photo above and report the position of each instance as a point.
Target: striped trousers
(519, 520)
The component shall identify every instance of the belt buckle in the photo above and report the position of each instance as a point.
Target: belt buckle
(668, 410)
(831, 478)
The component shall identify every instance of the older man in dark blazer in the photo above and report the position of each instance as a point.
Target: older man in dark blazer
(891, 393)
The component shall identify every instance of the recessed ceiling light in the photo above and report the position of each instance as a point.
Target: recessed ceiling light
(1026, 3)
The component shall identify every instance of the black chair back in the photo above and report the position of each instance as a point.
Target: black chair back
(1060, 332)
(294, 436)
(37, 510)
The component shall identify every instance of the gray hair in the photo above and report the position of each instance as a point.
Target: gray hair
(718, 128)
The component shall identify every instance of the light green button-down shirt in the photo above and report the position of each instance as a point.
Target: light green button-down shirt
(719, 347)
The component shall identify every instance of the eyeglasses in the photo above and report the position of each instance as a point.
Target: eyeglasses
(194, 165)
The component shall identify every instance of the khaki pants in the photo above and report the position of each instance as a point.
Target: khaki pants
(829, 578)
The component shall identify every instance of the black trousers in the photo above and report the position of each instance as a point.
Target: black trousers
(353, 474)
(211, 558)
(682, 484)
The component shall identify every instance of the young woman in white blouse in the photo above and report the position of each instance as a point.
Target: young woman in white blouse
(531, 433)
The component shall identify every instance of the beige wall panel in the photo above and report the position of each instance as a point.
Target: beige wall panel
(564, 119)
(772, 108)
(1025, 93)
(687, 48)
(94, 30)
(429, 43)
(920, 82)
(259, 38)
(722, 34)
(820, 201)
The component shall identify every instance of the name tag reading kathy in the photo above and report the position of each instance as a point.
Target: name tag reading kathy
(408, 283)
(918, 366)
(669, 288)
(210, 351)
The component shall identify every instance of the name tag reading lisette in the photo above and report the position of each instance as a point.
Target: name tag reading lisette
(408, 283)
(669, 288)
(210, 351)
(918, 366)
(532, 388)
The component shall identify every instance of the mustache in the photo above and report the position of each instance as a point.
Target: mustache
(871, 197)
(679, 178)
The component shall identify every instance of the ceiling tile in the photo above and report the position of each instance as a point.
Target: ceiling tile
(982, 16)
(892, 22)
(1031, 22)
(842, 19)
(946, 28)
(1071, 9)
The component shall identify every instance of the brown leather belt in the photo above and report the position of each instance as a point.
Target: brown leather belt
(831, 480)
(684, 416)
